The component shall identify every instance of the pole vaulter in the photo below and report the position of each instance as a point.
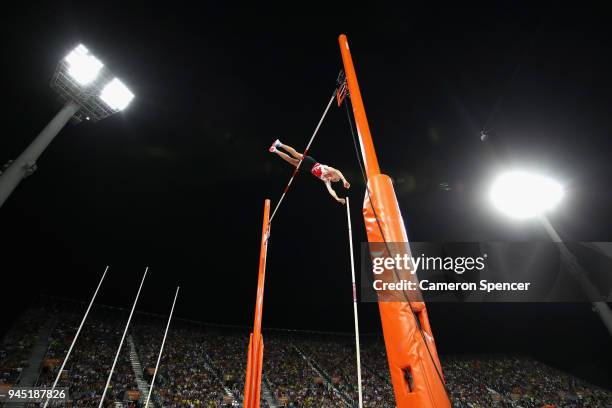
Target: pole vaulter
(252, 383)
(416, 373)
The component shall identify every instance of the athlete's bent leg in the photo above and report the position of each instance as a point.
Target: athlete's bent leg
(291, 151)
(287, 158)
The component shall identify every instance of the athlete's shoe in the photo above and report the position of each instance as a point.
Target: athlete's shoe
(274, 146)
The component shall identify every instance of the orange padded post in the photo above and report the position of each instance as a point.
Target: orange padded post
(414, 373)
(252, 383)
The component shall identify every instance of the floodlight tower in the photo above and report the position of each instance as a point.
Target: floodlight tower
(523, 195)
(89, 91)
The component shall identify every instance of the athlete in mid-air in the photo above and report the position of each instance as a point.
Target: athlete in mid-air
(321, 171)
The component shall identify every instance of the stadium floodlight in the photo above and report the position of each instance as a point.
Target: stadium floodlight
(521, 194)
(116, 95)
(89, 91)
(83, 66)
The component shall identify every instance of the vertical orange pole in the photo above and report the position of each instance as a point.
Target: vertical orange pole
(363, 129)
(252, 383)
(246, 402)
(414, 366)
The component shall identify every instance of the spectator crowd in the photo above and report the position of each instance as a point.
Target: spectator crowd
(17, 344)
(204, 367)
(90, 362)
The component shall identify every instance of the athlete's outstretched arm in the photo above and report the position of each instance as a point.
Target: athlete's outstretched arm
(344, 182)
(341, 176)
(333, 193)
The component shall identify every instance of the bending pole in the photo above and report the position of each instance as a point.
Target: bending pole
(127, 325)
(252, 383)
(297, 168)
(76, 336)
(414, 366)
(13, 175)
(161, 350)
(357, 348)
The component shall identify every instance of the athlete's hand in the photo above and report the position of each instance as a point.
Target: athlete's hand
(342, 201)
(346, 184)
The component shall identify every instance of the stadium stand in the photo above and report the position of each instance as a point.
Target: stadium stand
(203, 366)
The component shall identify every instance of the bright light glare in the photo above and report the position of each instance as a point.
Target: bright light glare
(523, 195)
(116, 95)
(82, 66)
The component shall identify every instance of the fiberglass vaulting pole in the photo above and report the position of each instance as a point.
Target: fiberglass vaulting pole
(415, 369)
(252, 384)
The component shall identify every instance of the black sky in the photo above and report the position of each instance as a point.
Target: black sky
(178, 181)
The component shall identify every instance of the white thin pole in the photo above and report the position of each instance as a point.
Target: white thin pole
(161, 350)
(305, 152)
(127, 325)
(76, 336)
(357, 348)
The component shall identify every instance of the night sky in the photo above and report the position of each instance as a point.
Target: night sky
(177, 181)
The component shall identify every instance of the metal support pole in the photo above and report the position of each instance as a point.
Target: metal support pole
(605, 314)
(26, 161)
(357, 348)
(601, 308)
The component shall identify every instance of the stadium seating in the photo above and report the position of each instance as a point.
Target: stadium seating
(203, 366)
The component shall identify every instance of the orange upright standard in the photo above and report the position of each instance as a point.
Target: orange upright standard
(414, 365)
(252, 383)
